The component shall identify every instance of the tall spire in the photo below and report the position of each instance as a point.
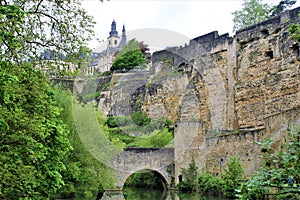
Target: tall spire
(123, 31)
(123, 39)
(113, 32)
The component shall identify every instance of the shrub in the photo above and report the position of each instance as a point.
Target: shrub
(105, 86)
(210, 184)
(232, 177)
(276, 170)
(140, 118)
(190, 177)
(106, 73)
(111, 122)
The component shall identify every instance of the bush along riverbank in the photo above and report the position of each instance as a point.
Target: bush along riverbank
(277, 178)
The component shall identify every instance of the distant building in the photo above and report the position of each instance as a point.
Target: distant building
(104, 60)
(53, 64)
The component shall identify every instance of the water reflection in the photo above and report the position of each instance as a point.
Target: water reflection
(150, 194)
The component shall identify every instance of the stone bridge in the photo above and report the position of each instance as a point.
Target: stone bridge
(157, 160)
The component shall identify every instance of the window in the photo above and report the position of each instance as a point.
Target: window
(116, 42)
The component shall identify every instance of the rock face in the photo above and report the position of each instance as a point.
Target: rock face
(223, 93)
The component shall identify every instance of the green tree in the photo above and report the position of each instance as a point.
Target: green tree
(28, 27)
(190, 176)
(232, 177)
(86, 176)
(129, 57)
(33, 140)
(253, 11)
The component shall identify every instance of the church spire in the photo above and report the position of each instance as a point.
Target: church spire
(113, 32)
(124, 38)
(123, 31)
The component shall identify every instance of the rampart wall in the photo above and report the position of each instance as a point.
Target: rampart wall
(247, 88)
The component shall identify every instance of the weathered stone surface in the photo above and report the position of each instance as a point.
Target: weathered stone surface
(232, 92)
(132, 160)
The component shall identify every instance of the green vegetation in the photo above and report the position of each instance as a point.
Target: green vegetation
(42, 156)
(130, 57)
(90, 97)
(232, 178)
(106, 73)
(28, 28)
(139, 130)
(294, 30)
(190, 177)
(140, 193)
(277, 177)
(86, 176)
(140, 118)
(254, 11)
(158, 138)
(208, 184)
(144, 179)
(105, 86)
(33, 138)
(277, 170)
(282, 6)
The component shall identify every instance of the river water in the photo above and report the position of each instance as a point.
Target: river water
(148, 194)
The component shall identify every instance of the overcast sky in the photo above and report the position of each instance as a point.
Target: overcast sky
(180, 19)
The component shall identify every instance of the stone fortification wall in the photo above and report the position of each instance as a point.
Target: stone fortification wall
(198, 46)
(223, 93)
(122, 87)
(246, 88)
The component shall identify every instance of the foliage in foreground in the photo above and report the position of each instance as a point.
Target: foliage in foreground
(37, 160)
(276, 171)
(278, 175)
(33, 138)
(30, 27)
(86, 176)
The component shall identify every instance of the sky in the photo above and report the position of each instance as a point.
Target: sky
(162, 23)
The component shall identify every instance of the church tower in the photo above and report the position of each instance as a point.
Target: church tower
(113, 39)
(123, 38)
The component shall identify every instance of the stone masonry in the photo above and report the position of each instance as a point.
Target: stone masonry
(223, 93)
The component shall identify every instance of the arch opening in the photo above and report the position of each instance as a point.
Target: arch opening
(146, 179)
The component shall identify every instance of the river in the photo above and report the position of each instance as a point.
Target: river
(149, 194)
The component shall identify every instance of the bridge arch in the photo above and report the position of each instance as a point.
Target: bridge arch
(164, 181)
(132, 160)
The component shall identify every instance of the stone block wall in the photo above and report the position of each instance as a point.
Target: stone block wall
(233, 92)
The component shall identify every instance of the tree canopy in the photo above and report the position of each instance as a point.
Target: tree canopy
(130, 57)
(34, 140)
(254, 11)
(29, 27)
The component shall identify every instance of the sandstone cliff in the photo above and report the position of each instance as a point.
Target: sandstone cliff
(223, 93)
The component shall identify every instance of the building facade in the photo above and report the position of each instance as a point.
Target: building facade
(104, 60)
